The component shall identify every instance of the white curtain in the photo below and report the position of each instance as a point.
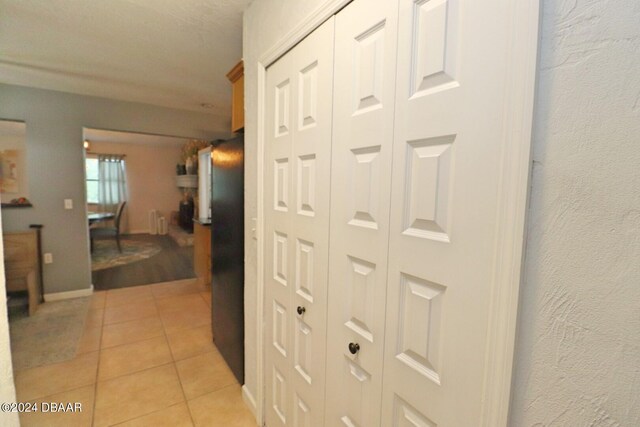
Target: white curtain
(112, 182)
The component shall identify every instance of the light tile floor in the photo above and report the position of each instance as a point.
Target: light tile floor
(146, 358)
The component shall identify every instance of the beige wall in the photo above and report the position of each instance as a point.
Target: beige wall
(151, 180)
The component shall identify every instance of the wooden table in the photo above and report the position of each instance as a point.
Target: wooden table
(22, 266)
(94, 217)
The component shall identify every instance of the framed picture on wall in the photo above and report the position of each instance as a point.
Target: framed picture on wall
(9, 161)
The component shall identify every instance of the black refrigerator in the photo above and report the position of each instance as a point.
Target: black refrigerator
(227, 252)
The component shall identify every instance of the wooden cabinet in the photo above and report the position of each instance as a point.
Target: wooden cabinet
(236, 77)
(22, 267)
(202, 252)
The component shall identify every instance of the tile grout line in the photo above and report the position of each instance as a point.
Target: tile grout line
(95, 386)
(132, 342)
(172, 362)
(163, 334)
(139, 370)
(150, 413)
(59, 392)
(175, 367)
(131, 321)
(100, 351)
(136, 372)
(131, 304)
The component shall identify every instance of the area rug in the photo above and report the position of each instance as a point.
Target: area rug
(106, 255)
(51, 335)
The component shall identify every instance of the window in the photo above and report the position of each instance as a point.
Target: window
(92, 180)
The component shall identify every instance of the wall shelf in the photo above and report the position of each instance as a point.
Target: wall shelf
(187, 181)
(16, 205)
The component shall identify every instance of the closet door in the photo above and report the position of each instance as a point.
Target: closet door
(278, 281)
(446, 163)
(298, 157)
(365, 57)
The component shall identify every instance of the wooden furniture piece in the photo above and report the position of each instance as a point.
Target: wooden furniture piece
(202, 252)
(38, 229)
(22, 267)
(109, 231)
(94, 217)
(236, 77)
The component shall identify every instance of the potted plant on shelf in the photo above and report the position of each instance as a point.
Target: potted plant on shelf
(190, 155)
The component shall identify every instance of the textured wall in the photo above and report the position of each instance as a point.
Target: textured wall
(151, 180)
(56, 167)
(266, 22)
(578, 347)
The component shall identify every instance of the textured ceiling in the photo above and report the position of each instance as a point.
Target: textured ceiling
(173, 53)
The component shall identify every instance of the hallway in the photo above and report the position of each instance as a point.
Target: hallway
(146, 358)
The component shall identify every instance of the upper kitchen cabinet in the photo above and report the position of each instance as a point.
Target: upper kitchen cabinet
(236, 77)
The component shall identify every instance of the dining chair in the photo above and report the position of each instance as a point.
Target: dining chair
(109, 231)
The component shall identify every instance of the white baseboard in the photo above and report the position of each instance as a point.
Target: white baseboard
(250, 401)
(57, 296)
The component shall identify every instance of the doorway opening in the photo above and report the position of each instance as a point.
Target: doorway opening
(140, 201)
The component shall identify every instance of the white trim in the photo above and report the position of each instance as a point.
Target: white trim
(57, 296)
(261, 75)
(250, 401)
(302, 30)
(512, 207)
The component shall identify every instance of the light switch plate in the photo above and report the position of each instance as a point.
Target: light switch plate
(68, 204)
(48, 258)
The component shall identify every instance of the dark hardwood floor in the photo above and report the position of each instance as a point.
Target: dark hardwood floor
(172, 263)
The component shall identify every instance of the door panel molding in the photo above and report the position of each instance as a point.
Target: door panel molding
(300, 88)
(523, 17)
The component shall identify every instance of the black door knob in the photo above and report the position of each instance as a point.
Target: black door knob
(354, 347)
(301, 310)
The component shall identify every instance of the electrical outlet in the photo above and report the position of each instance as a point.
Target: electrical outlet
(48, 258)
(68, 204)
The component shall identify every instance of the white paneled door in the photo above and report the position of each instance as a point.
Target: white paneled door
(387, 160)
(446, 175)
(364, 84)
(298, 160)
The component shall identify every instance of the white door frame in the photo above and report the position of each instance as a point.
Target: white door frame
(512, 200)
